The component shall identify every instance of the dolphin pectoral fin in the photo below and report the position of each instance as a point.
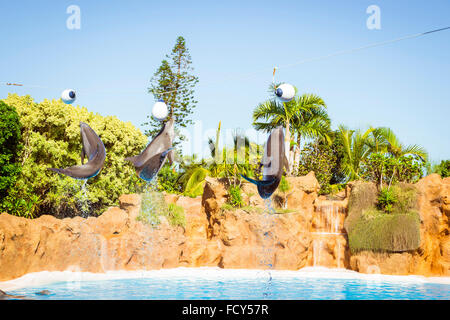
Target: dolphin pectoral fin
(259, 182)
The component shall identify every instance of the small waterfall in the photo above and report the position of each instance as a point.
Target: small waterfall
(327, 233)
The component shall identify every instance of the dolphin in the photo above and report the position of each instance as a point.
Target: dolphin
(93, 149)
(152, 158)
(273, 162)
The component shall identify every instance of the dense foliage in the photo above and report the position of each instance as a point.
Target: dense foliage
(385, 169)
(444, 168)
(10, 146)
(51, 138)
(320, 158)
(235, 196)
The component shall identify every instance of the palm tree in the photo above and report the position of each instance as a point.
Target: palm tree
(396, 149)
(304, 116)
(357, 148)
(229, 162)
(360, 145)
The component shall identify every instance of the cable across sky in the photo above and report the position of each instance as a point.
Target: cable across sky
(338, 53)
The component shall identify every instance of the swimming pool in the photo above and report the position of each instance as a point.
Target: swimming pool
(215, 283)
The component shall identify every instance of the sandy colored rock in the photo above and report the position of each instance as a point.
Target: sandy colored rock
(310, 234)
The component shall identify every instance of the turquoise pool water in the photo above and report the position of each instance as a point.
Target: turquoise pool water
(214, 284)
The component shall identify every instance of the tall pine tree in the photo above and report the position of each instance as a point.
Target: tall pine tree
(174, 83)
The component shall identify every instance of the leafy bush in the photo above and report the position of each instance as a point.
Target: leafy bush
(168, 180)
(369, 228)
(444, 168)
(51, 138)
(320, 158)
(382, 168)
(386, 200)
(235, 197)
(10, 146)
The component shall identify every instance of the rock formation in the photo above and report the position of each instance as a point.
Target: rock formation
(311, 233)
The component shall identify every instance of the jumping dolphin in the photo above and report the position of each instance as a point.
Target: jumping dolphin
(273, 162)
(93, 149)
(150, 161)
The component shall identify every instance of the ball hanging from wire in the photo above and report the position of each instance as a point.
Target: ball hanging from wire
(68, 96)
(160, 110)
(285, 92)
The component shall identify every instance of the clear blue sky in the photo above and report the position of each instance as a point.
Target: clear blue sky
(111, 59)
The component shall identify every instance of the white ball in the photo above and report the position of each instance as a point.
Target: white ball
(68, 96)
(285, 92)
(160, 110)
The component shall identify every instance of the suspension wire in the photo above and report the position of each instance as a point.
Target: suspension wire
(338, 53)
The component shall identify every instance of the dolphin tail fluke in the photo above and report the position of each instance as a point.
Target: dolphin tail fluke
(258, 182)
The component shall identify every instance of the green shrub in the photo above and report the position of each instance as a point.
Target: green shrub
(235, 197)
(386, 200)
(51, 138)
(168, 179)
(320, 158)
(384, 169)
(10, 146)
(444, 168)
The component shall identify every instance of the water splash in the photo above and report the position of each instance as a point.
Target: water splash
(152, 203)
(267, 245)
(82, 198)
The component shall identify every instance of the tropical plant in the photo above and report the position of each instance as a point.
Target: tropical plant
(235, 197)
(357, 149)
(10, 147)
(386, 200)
(284, 187)
(380, 148)
(303, 117)
(51, 138)
(168, 179)
(443, 168)
(193, 186)
(318, 157)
